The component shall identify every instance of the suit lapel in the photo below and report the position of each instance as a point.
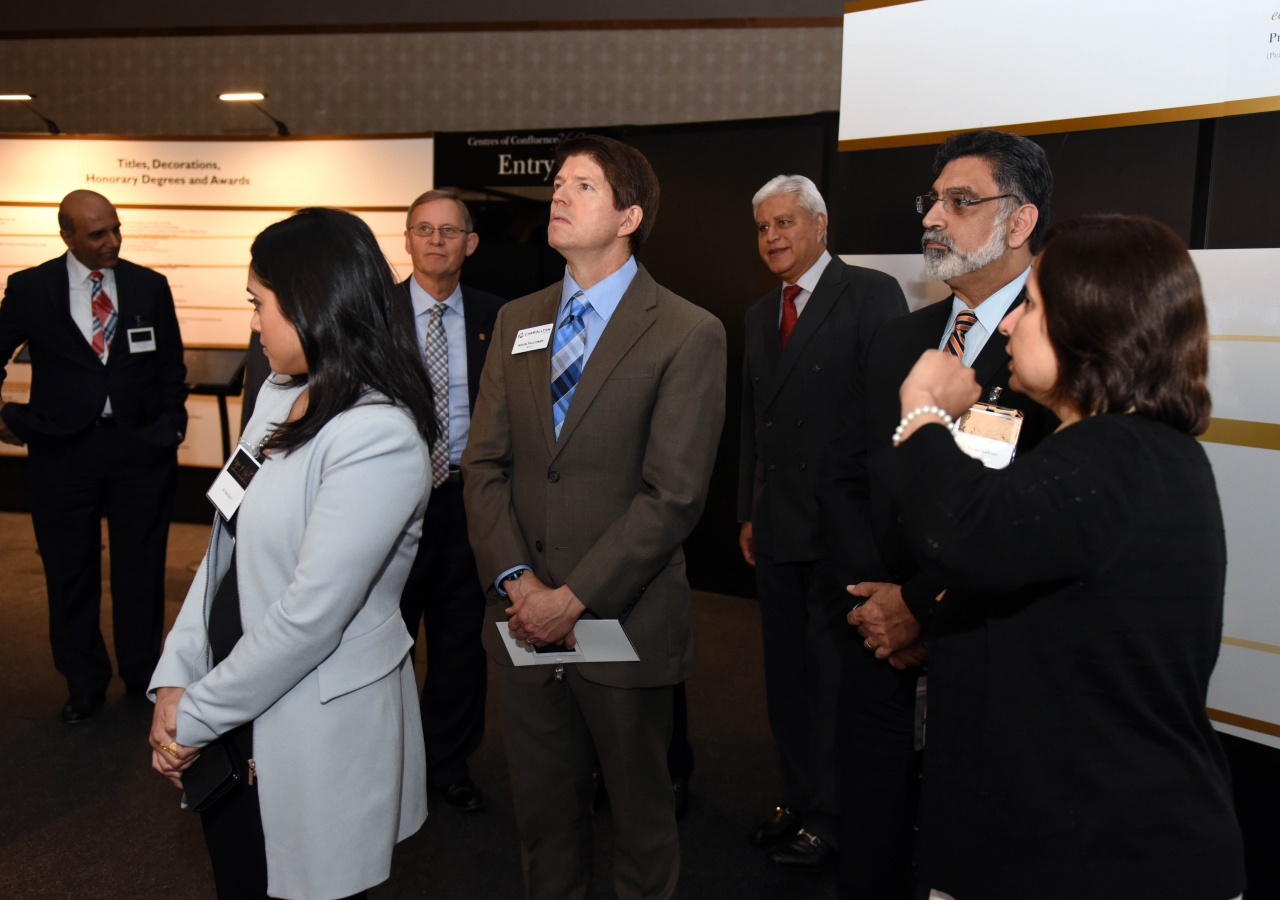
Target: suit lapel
(819, 305)
(124, 301)
(537, 363)
(475, 349)
(994, 359)
(769, 333)
(59, 285)
(635, 313)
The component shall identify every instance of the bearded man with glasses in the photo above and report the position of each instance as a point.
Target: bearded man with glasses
(984, 219)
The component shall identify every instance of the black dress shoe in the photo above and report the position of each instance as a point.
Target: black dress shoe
(462, 795)
(781, 826)
(805, 851)
(680, 787)
(81, 707)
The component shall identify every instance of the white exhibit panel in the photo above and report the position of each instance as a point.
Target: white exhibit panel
(1054, 63)
(190, 210)
(1243, 302)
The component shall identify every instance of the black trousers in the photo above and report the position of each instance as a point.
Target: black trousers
(74, 482)
(803, 619)
(444, 590)
(237, 849)
(880, 776)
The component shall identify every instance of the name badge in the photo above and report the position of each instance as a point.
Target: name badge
(142, 340)
(990, 434)
(232, 482)
(534, 338)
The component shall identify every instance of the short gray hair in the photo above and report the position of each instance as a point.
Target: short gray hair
(807, 195)
(441, 195)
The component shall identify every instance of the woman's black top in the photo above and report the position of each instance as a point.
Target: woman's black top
(225, 629)
(1069, 753)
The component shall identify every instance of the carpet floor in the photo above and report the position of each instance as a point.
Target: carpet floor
(83, 816)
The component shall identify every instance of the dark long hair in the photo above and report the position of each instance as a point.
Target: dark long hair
(1126, 318)
(336, 288)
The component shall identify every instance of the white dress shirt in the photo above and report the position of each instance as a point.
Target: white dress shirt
(82, 303)
(807, 282)
(454, 321)
(990, 313)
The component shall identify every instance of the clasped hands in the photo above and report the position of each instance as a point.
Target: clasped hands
(168, 757)
(886, 624)
(540, 615)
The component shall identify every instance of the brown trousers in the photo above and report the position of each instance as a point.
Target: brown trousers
(555, 731)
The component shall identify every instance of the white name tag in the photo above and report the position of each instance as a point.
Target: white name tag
(989, 434)
(229, 487)
(534, 338)
(142, 340)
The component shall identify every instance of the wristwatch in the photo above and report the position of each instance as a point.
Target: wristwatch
(513, 576)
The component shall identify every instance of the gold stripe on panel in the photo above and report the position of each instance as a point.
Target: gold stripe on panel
(863, 5)
(1251, 645)
(1239, 721)
(1086, 123)
(1242, 433)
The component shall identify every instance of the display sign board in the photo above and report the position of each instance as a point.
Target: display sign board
(190, 209)
(915, 71)
(1243, 444)
(476, 159)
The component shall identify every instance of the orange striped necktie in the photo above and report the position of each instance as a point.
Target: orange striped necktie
(964, 321)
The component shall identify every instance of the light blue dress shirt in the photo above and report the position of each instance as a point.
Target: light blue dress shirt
(455, 334)
(990, 312)
(604, 299)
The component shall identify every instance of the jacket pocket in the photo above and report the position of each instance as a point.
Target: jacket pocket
(363, 660)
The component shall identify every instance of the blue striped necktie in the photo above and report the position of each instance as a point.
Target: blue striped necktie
(566, 358)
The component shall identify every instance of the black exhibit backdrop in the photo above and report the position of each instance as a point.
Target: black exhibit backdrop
(1210, 181)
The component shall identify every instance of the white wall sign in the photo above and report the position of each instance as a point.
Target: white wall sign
(914, 71)
(1243, 444)
(190, 210)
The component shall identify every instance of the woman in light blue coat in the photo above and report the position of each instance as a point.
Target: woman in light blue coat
(290, 650)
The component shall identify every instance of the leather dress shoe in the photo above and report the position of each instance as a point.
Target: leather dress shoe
(805, 851)
(680, 787)
(462, 795)
(81, 707)
(781, 826)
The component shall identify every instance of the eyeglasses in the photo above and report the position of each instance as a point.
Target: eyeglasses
(955, 204)
(448, 232)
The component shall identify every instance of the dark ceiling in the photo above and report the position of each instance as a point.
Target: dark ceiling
(83, 18)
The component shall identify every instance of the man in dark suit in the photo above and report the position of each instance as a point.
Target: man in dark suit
(102, 429)
(804, 340)
(984, 219)
(455, 328)
(590, 456)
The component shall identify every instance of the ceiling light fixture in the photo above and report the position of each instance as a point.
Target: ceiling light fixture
(25, 100)
(252, 97)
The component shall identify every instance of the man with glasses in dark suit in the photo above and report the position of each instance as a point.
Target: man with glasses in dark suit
(984, 219)
(455, 328)
(107, 412)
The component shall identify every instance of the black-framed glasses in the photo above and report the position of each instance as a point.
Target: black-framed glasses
(448, 232)
(955, 204)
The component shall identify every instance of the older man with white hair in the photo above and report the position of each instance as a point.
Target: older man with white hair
(804, 341)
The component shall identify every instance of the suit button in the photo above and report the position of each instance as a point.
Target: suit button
(755, 377)
(553, 476)
(799, 422)
(770, 467)
(802, 467)
(768, 424)
(817, 368)
(537, 545)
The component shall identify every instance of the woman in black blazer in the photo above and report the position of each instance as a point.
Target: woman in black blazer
(1069, 754)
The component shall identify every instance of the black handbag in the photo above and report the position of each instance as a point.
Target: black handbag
(215, 772)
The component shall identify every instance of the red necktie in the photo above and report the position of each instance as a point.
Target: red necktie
(789, 314)
(104, 315)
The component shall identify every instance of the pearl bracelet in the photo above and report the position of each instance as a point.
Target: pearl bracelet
(921, 411)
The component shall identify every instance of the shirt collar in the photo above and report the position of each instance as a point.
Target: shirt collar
(603, 297)
(809, 280)
(992, 311)
(422, 301)
(78, 272)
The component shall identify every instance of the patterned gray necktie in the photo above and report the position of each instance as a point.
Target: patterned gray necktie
(438, 370)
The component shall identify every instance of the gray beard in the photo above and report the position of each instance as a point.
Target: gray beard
(944, 265)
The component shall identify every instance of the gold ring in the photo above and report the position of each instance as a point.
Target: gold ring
(867, 643)
(171, 749)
